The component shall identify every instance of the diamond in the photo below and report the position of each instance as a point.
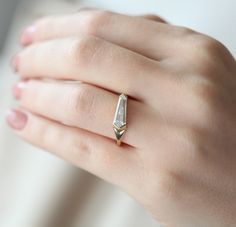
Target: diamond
(120, 114)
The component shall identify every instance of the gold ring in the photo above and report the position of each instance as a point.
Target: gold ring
(119, 122)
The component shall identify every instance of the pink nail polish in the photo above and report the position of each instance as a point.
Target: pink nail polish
(17, 89)
(16, 119)
(15, 63)
(27, 37)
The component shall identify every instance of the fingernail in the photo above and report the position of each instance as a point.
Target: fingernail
(15, 63)
(27, 36)
(16, 119)
(17, 89)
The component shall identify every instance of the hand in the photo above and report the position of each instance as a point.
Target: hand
(178, 157)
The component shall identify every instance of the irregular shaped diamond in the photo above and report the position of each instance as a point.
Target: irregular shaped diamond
(120, 114)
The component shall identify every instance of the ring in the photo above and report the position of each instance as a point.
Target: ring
(119, 122)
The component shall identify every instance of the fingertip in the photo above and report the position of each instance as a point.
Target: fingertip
(16, 119)
(17, 89)
(27, 36)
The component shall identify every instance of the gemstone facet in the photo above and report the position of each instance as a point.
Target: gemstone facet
(119, 121)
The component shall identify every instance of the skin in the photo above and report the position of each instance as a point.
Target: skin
(178, 157)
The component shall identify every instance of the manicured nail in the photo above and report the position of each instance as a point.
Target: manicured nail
(17, 89)
(15, 63)
(27, 36)
(16, 119)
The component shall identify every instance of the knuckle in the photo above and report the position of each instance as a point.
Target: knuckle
(83, 50)
(207, 48)
(95, 20)
(204, 51)
(184, 31)
(82, 104)
(210, 46)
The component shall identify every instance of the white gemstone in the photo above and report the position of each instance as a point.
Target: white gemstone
(120, 115)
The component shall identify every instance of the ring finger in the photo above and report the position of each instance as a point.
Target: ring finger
(84, 106)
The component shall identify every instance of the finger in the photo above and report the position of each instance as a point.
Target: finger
(84, 106)
(154, 18)
(89, 59)
(150, 38)
(146, 16)
(94, 153)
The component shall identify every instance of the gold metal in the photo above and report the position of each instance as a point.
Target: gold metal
(119, 122)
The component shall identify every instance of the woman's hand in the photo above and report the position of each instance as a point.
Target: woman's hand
(179, 153)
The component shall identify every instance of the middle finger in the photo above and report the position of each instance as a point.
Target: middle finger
(91, 60)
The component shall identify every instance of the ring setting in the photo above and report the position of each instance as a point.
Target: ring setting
(119, 122)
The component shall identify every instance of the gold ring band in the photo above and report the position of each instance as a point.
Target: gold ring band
(119, 122)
